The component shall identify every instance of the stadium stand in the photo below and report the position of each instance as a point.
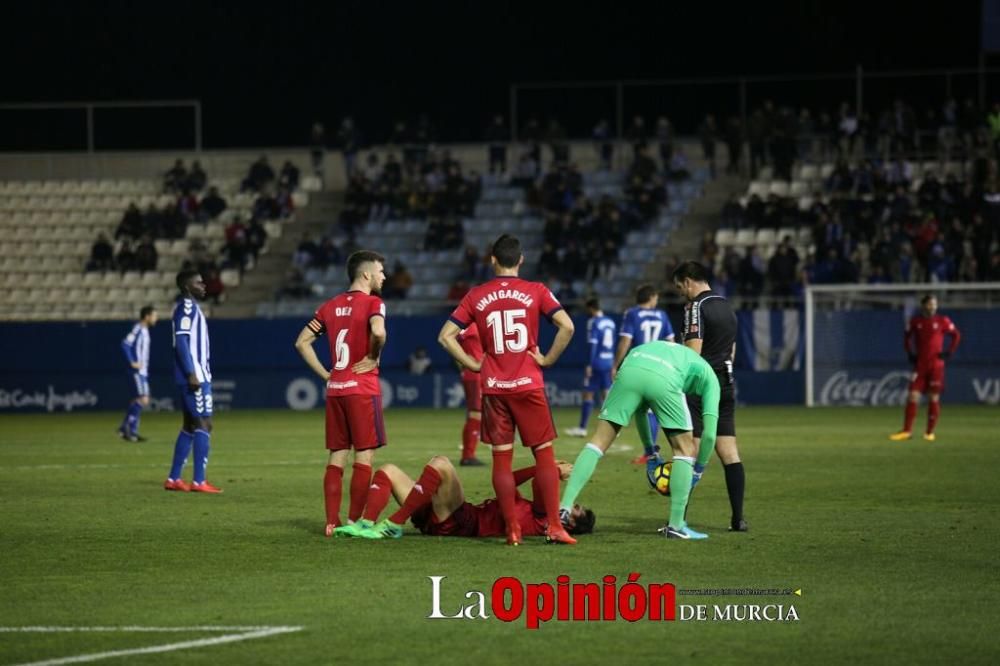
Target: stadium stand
(48, 230)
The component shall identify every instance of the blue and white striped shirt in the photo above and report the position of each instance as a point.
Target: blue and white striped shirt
(136, 348)
(190, 334)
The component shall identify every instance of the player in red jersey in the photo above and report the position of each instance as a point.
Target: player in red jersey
(354, 322)
(924, 343)
(436, 505)
(468, 338)
(506, 311)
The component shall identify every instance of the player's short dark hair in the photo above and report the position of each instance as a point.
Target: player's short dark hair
(145, 311)
(644, 292)
(507, 250)
(593, 304)
(184, 277)
(361, 257)
(584, 524)
(690, 269)
(927, 297)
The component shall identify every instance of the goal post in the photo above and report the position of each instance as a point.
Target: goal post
(854, 341)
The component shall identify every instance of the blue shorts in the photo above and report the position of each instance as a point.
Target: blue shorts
(140, 385)
(600, 380)
(197, 403)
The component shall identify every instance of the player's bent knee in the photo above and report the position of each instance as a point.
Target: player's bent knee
(440, 463)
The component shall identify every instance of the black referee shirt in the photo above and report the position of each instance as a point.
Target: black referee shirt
(710, 318)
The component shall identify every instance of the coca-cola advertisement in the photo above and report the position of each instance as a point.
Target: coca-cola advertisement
(882, 386)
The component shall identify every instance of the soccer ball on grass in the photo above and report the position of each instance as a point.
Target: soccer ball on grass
(659, 477)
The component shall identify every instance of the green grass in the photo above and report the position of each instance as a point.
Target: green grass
(893, 545)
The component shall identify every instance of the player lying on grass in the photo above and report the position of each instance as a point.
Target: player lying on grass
(435, 504)
(656, 376)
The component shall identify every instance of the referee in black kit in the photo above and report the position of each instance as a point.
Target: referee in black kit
(710, 330)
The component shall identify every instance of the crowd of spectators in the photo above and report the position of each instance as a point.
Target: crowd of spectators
(194, 203)
(874, 223)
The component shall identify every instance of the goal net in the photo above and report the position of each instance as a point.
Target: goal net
(854, 352)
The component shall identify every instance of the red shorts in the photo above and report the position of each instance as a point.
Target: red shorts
(528, 411)
(463, 521)
(354, 421)
(929, 379)
(473, 394)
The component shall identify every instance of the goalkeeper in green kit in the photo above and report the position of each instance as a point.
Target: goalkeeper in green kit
(656, 376)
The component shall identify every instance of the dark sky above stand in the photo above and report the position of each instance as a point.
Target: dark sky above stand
(265, 71)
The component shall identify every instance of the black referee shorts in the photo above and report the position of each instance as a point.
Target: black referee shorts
(727, 412)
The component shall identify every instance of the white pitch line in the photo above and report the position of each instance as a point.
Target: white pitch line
(137, 629)
(281, 463)
(263, 632)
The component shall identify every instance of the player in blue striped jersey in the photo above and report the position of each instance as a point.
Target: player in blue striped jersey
(193, 376)
(601, 358)
(641, 324)
(135, 345)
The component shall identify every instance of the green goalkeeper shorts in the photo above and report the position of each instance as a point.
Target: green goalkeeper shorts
(636, 388)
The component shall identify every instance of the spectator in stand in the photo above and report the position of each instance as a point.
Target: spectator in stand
(317, 149)
(174, 179)
(288, 178)
(125, 259)
(847, 127)
(398, 283)
(196, 178)
(284, 204)
(213, 205)
(235, 228)
(734, 144)
(214, 288)
(757, 136)
(636, 135)
(349, 142)
(751, 274)
(419, 362)
(131, 225)
(101, 255)
(306, 253)
(187, 206)
(665, 140)
(708, 134)
(146, 256)
(236, 253)
(256, 237)
(548, 263)
(782, 268)
(260, 176)
(497, 137)
(566, 294)
(558, 142)
(604, 145)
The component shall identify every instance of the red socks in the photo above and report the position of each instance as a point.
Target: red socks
(378, 496)
(331, 492)
(547, 482)
(423, 489)
(470, 437)
(361, 478)
(933, 411)
(503, 484)
(911, 413)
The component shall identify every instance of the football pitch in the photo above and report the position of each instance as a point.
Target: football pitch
(893, 546)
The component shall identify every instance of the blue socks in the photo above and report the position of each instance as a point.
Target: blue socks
(654, 430)
(181, 450)
(588, 407)
(201, 447)
(130, 424)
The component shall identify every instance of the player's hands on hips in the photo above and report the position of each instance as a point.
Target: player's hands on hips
(364, 365)
(193, 382)
(696, 475)
(476, 366)
(565, 469)
(539, 357)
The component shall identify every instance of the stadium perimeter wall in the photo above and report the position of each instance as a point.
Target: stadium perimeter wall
(71, 366)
